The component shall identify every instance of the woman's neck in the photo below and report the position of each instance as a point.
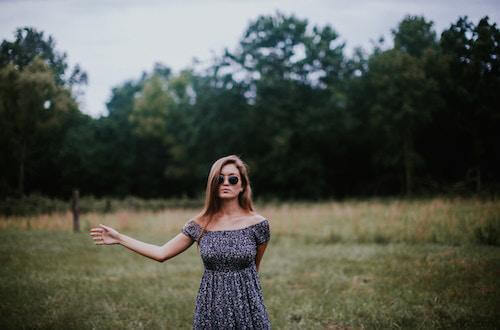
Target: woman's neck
(230, 208)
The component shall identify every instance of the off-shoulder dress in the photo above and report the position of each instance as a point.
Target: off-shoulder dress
(230, 295)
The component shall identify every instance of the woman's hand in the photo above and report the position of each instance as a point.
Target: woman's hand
(105, 235)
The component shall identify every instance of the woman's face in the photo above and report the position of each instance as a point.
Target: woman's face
(230, 182)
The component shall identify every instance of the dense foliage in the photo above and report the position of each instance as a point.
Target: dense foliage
(420, 116)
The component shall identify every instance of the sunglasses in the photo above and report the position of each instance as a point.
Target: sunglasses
(233, 179)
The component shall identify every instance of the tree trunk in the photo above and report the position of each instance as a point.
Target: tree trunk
(22, 160)
(478, 153)
(75, 207)
(408, 164)
(478, 180)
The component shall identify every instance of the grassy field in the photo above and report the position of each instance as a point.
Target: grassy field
(379, 264)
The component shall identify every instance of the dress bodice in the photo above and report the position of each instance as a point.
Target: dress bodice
(229, 250)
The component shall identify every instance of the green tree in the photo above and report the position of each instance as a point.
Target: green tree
(471, 88)
(37, 98)
(414, 36)
(291, 77)
(403, 95)
(29, 44)
(161, 113)
(32, 106)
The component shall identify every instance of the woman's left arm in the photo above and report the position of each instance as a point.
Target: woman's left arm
(260, 252)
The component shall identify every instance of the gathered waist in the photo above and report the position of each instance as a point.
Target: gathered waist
(230, 269)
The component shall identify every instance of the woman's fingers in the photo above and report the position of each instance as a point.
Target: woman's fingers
(99, 234)
(103, 226)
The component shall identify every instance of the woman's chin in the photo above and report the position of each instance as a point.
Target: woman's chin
(227, 196)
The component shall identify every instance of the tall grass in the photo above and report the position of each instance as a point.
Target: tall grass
(444, 221)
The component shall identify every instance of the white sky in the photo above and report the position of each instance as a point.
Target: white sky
(114, 41)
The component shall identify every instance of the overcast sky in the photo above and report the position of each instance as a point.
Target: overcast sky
(115, 41)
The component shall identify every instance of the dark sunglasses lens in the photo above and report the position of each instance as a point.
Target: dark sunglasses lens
(233, 180)
(220, 179)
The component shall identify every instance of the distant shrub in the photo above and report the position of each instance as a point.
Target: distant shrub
(334, 238)
(31, 205)
(381, 239)
(37, 204)
(488, 233)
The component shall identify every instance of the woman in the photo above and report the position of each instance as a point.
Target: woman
(231, 238)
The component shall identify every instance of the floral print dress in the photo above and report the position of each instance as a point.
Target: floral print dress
(230, 295)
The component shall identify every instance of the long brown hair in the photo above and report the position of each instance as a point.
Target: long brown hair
(212, 200)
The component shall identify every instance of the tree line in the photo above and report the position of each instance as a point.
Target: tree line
(417, 115)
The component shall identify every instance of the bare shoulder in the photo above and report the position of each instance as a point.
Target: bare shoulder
(255, 219)
(197, 220)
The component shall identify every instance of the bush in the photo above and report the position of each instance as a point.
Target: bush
(31, 205)
(37, 204)
(488, 233)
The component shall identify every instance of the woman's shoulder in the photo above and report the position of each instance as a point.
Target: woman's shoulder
(261, 229)
(256, 218)
(197, 221)
(191, 229)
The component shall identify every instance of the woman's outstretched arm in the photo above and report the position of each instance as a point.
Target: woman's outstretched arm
(104, 235)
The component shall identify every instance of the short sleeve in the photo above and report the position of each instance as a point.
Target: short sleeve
(191, 229)
(261, 232)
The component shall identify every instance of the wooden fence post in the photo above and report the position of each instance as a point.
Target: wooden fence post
(75, 207)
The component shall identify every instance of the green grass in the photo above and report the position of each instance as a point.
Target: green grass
(359, 265)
